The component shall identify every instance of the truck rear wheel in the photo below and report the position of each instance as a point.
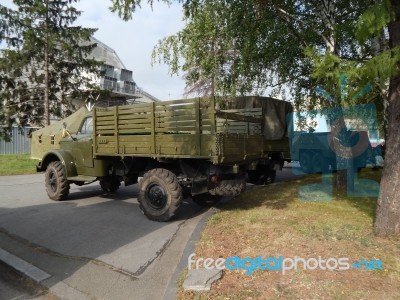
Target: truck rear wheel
(160, 194)
(270, 176)
(259, 177)
(57, 185)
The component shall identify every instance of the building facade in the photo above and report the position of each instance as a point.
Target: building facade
(117, 79)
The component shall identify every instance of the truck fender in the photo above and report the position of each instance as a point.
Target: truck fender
(59, 155)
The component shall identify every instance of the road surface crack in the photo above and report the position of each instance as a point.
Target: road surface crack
(159, 253)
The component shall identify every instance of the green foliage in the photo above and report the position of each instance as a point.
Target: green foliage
(382, 66)
(284, 48)
(372, 27)
(126, 8)
(374, 20)
(259, 46)
(30, 31)
(208, 54)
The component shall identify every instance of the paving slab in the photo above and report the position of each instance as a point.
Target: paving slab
(200, 280)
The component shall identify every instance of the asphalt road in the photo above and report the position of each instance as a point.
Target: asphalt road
(92, 224)
(99, 245)
(107, 229)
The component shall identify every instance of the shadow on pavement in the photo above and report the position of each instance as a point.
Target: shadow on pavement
(63, 237)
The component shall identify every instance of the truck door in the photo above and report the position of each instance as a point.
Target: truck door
(83, 149)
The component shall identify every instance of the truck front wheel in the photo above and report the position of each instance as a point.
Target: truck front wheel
(160, 194)
(57, 185)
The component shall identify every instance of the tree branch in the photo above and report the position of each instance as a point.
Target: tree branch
(287, 16)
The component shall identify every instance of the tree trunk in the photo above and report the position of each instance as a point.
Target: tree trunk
(388, 209)
(338, 142)
(46, 71)
(327, 14)
(344, 176)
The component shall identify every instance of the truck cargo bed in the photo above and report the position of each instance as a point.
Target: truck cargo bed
(190, 128)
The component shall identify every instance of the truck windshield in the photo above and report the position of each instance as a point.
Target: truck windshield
(87, 126)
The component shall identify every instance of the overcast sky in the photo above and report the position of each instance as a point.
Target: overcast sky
(134, 40)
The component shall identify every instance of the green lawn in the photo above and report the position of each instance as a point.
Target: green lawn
(17, 164)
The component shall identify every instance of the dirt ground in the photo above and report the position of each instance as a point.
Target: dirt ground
(272, 221)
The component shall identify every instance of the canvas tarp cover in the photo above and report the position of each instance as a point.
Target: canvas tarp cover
(42, 140)
(274, 111)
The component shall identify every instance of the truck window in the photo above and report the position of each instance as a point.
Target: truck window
(87, 126)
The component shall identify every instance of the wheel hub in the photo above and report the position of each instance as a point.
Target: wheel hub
(53, 181)
(156, 196)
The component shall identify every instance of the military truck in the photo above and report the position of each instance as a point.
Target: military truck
(205, 148)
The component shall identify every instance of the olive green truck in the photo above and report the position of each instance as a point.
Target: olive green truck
(204, 148)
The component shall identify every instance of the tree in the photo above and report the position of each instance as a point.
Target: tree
(381, 66)
(303, 44)
(263, 43)
(388, 210)
(46, 64)
(253, 47)
(206, 52)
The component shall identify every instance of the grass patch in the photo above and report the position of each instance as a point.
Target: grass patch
(276, 220)
(17, 164)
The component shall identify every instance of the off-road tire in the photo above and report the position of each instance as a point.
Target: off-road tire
(254, 176)
(57, 185)
(261, 177)
(160, 195)
(229, 188)
(269, 176)
(206, 200)
(109, 184)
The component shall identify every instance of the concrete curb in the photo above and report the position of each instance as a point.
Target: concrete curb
(42, 278)
(172, 287)
(23, 267)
